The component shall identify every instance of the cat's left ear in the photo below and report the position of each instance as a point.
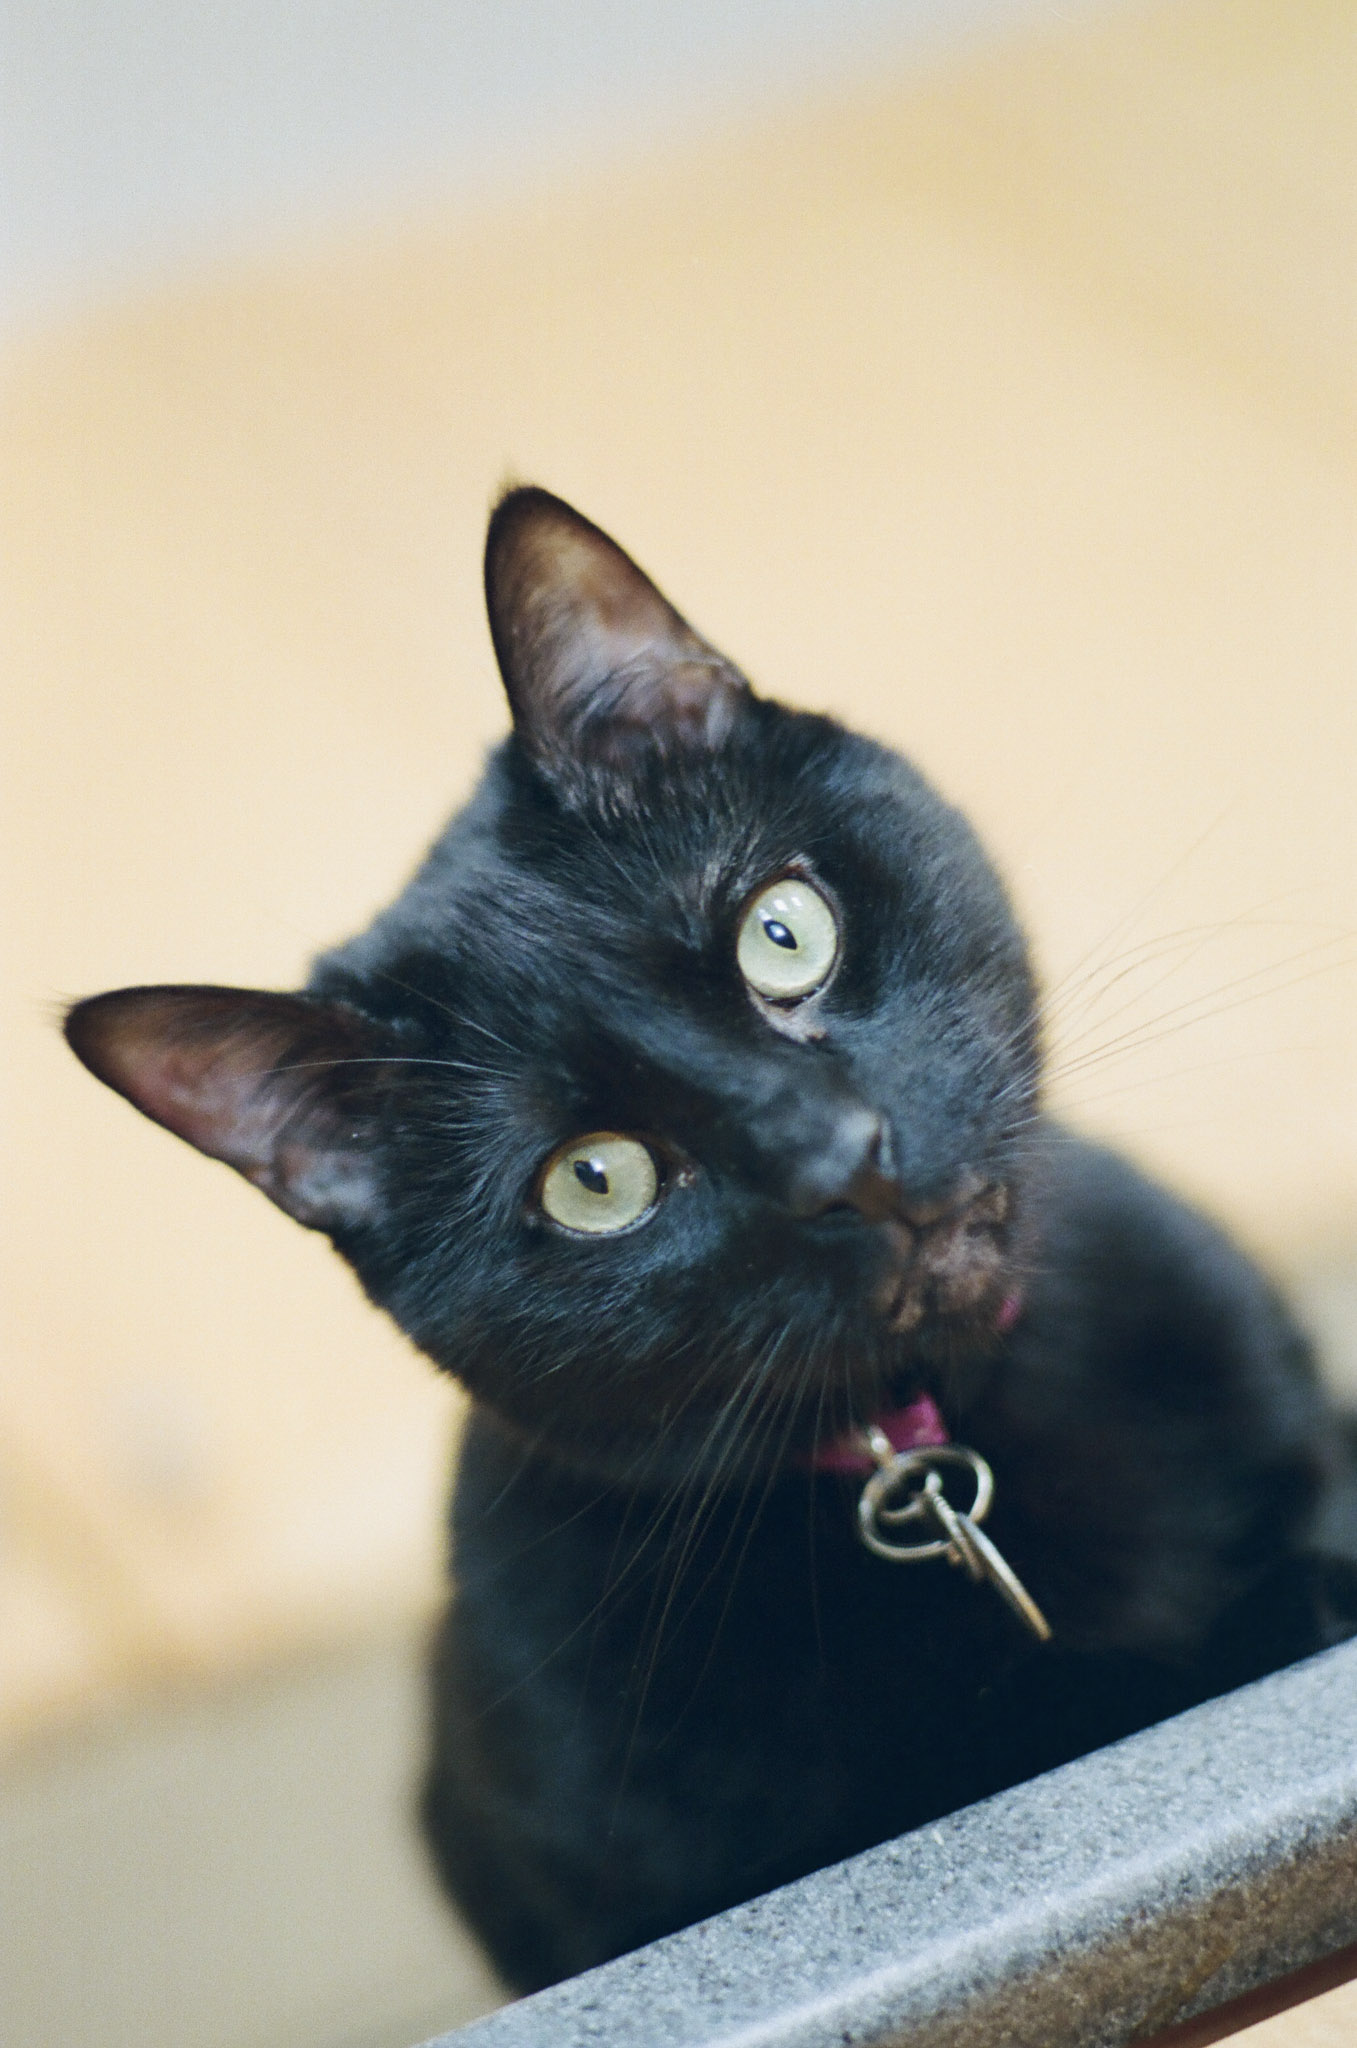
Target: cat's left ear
(288, 1089)
(599, 667)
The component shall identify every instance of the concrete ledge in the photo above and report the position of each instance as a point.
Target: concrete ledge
(1086, 1908)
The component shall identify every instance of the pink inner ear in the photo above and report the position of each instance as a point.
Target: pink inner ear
(596, 661)
(264, 1082)
(207, 1094)
(199, 1061)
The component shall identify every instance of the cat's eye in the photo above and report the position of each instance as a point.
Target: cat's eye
(600, 1183)
(789, 940)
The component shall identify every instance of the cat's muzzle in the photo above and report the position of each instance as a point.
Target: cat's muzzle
(945, 1260)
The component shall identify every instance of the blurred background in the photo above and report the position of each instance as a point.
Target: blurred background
(979, 370)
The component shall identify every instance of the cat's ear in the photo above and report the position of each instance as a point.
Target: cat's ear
(285, 1088)
(600, 669)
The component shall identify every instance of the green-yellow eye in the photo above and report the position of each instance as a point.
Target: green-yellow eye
(788, 941)
(599, 1183)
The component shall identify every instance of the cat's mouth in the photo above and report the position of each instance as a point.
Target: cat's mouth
(950, 1266)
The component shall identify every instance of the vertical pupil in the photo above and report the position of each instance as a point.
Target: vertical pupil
(590, 1175)
(779, 934)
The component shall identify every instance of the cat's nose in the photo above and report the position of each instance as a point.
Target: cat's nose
(852, 1169)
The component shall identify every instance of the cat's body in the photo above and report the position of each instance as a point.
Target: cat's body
(685, 1210)
(624, 1743)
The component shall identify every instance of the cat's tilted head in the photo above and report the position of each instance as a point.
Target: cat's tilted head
(681, 1102)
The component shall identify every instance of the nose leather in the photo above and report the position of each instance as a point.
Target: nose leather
(845, 1168)
(857, 1171)
(877, 1196)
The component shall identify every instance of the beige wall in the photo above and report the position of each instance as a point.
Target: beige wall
(1010, 417)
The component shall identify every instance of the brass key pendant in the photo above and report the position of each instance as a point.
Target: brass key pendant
(905, 1493)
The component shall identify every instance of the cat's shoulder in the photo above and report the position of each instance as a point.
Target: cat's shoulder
(1137, 1297)
(1111, 1226)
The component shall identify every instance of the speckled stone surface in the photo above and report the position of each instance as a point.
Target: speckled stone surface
(1103, 1901)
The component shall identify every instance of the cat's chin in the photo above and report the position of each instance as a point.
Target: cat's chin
(955, 1274)
(917, 1305)
(946, 1354)
(687, 1467)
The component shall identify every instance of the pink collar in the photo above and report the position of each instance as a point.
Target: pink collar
(910, 1428)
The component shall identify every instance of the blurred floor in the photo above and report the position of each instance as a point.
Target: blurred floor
(233, 1871)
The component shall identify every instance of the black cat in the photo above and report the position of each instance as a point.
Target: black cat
(686, 1106)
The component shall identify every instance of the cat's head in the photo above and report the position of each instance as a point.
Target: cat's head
(681, 1103)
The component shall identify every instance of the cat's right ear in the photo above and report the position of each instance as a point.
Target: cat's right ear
(600, 669)
(285, 1088)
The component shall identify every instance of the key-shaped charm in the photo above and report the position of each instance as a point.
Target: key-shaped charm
(905, 1493)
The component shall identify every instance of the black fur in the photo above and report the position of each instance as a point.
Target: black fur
(670, 1676)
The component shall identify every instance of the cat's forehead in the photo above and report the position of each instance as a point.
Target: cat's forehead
(538, 919)
(698, 835)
